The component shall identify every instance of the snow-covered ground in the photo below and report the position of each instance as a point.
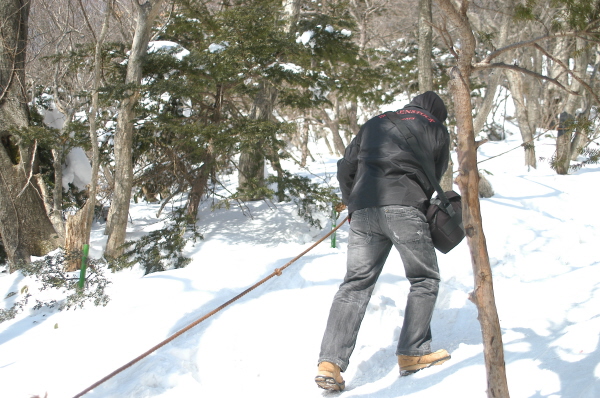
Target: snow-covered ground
(542, 236)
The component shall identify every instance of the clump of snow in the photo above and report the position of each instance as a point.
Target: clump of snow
(290, 67)
(218, 47)
(77, 169)
(157, 45)
(305, 37)
(54, 118)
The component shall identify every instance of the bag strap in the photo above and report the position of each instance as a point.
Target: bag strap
(415, 147)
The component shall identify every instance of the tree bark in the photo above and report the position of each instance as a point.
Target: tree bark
(56, 211)
(577, 101)
(119, 209)
(447, 182)
(252, 161)
(79, 225)
(483, 294)
(488, 101)
(515, 80)
(58, 152)
(76, 230)
(562, 159)
(93, 118)
(425, 47)
(198, 187)
(304, 143)
(468, 182)
(334, 127)
(425, 74)
(24, 224)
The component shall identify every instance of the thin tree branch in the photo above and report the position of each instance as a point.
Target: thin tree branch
(445, 35)
(528, 43)
(30, 172)
(459, 19)
(87, 21)
(569, 71)
(11, 248)
(14, 58)
(483, 66)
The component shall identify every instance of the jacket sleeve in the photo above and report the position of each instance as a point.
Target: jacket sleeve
(442, 156)
(346, 168)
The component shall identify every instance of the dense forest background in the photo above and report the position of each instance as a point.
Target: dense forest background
(166, 97)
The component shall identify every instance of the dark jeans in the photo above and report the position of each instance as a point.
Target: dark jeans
(373, 231)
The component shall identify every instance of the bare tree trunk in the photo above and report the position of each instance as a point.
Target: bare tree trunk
(198, 187)
(577, 101)
(563, 143)
(353, 126)
(425, 47)
(425, 65)
(93, 118)
(447, 182)
(304, 143)
(468, 182)
(563, 139)
(24, 224)
(488, 101)
(328, 145)
(76, 229)
(56, 212)
(483, 294)
(79, 225)
(58, 153)
(334, 127)
(515, 80)
(119, 209)
(534, 90)
(252, 161)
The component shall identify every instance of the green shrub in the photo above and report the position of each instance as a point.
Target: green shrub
(162, 249)
(49, 272)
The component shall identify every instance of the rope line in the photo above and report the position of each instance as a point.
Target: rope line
(517, 147)
(524, 144)
(276, 272)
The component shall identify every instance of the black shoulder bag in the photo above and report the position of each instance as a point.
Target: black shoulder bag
(444, 214)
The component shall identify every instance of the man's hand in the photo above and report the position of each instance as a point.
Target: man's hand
(340, 207)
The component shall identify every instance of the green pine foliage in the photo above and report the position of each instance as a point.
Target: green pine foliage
(335, 66)
(195, 115)
(581, 15)
(310, 198)
(578, 14)
(10, 313)
(162, 249)
(525, 12)
(197, 108)
(591, 155)
(48, 271)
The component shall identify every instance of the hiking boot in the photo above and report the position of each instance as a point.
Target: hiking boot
(329, 377)
(409, 364)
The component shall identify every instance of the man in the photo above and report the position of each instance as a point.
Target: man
(387, 192)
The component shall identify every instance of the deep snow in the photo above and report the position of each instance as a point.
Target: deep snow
(542, 238)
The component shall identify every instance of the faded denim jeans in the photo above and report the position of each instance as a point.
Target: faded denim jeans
(373, 232)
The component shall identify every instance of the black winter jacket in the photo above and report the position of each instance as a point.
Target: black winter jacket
(379, 169)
